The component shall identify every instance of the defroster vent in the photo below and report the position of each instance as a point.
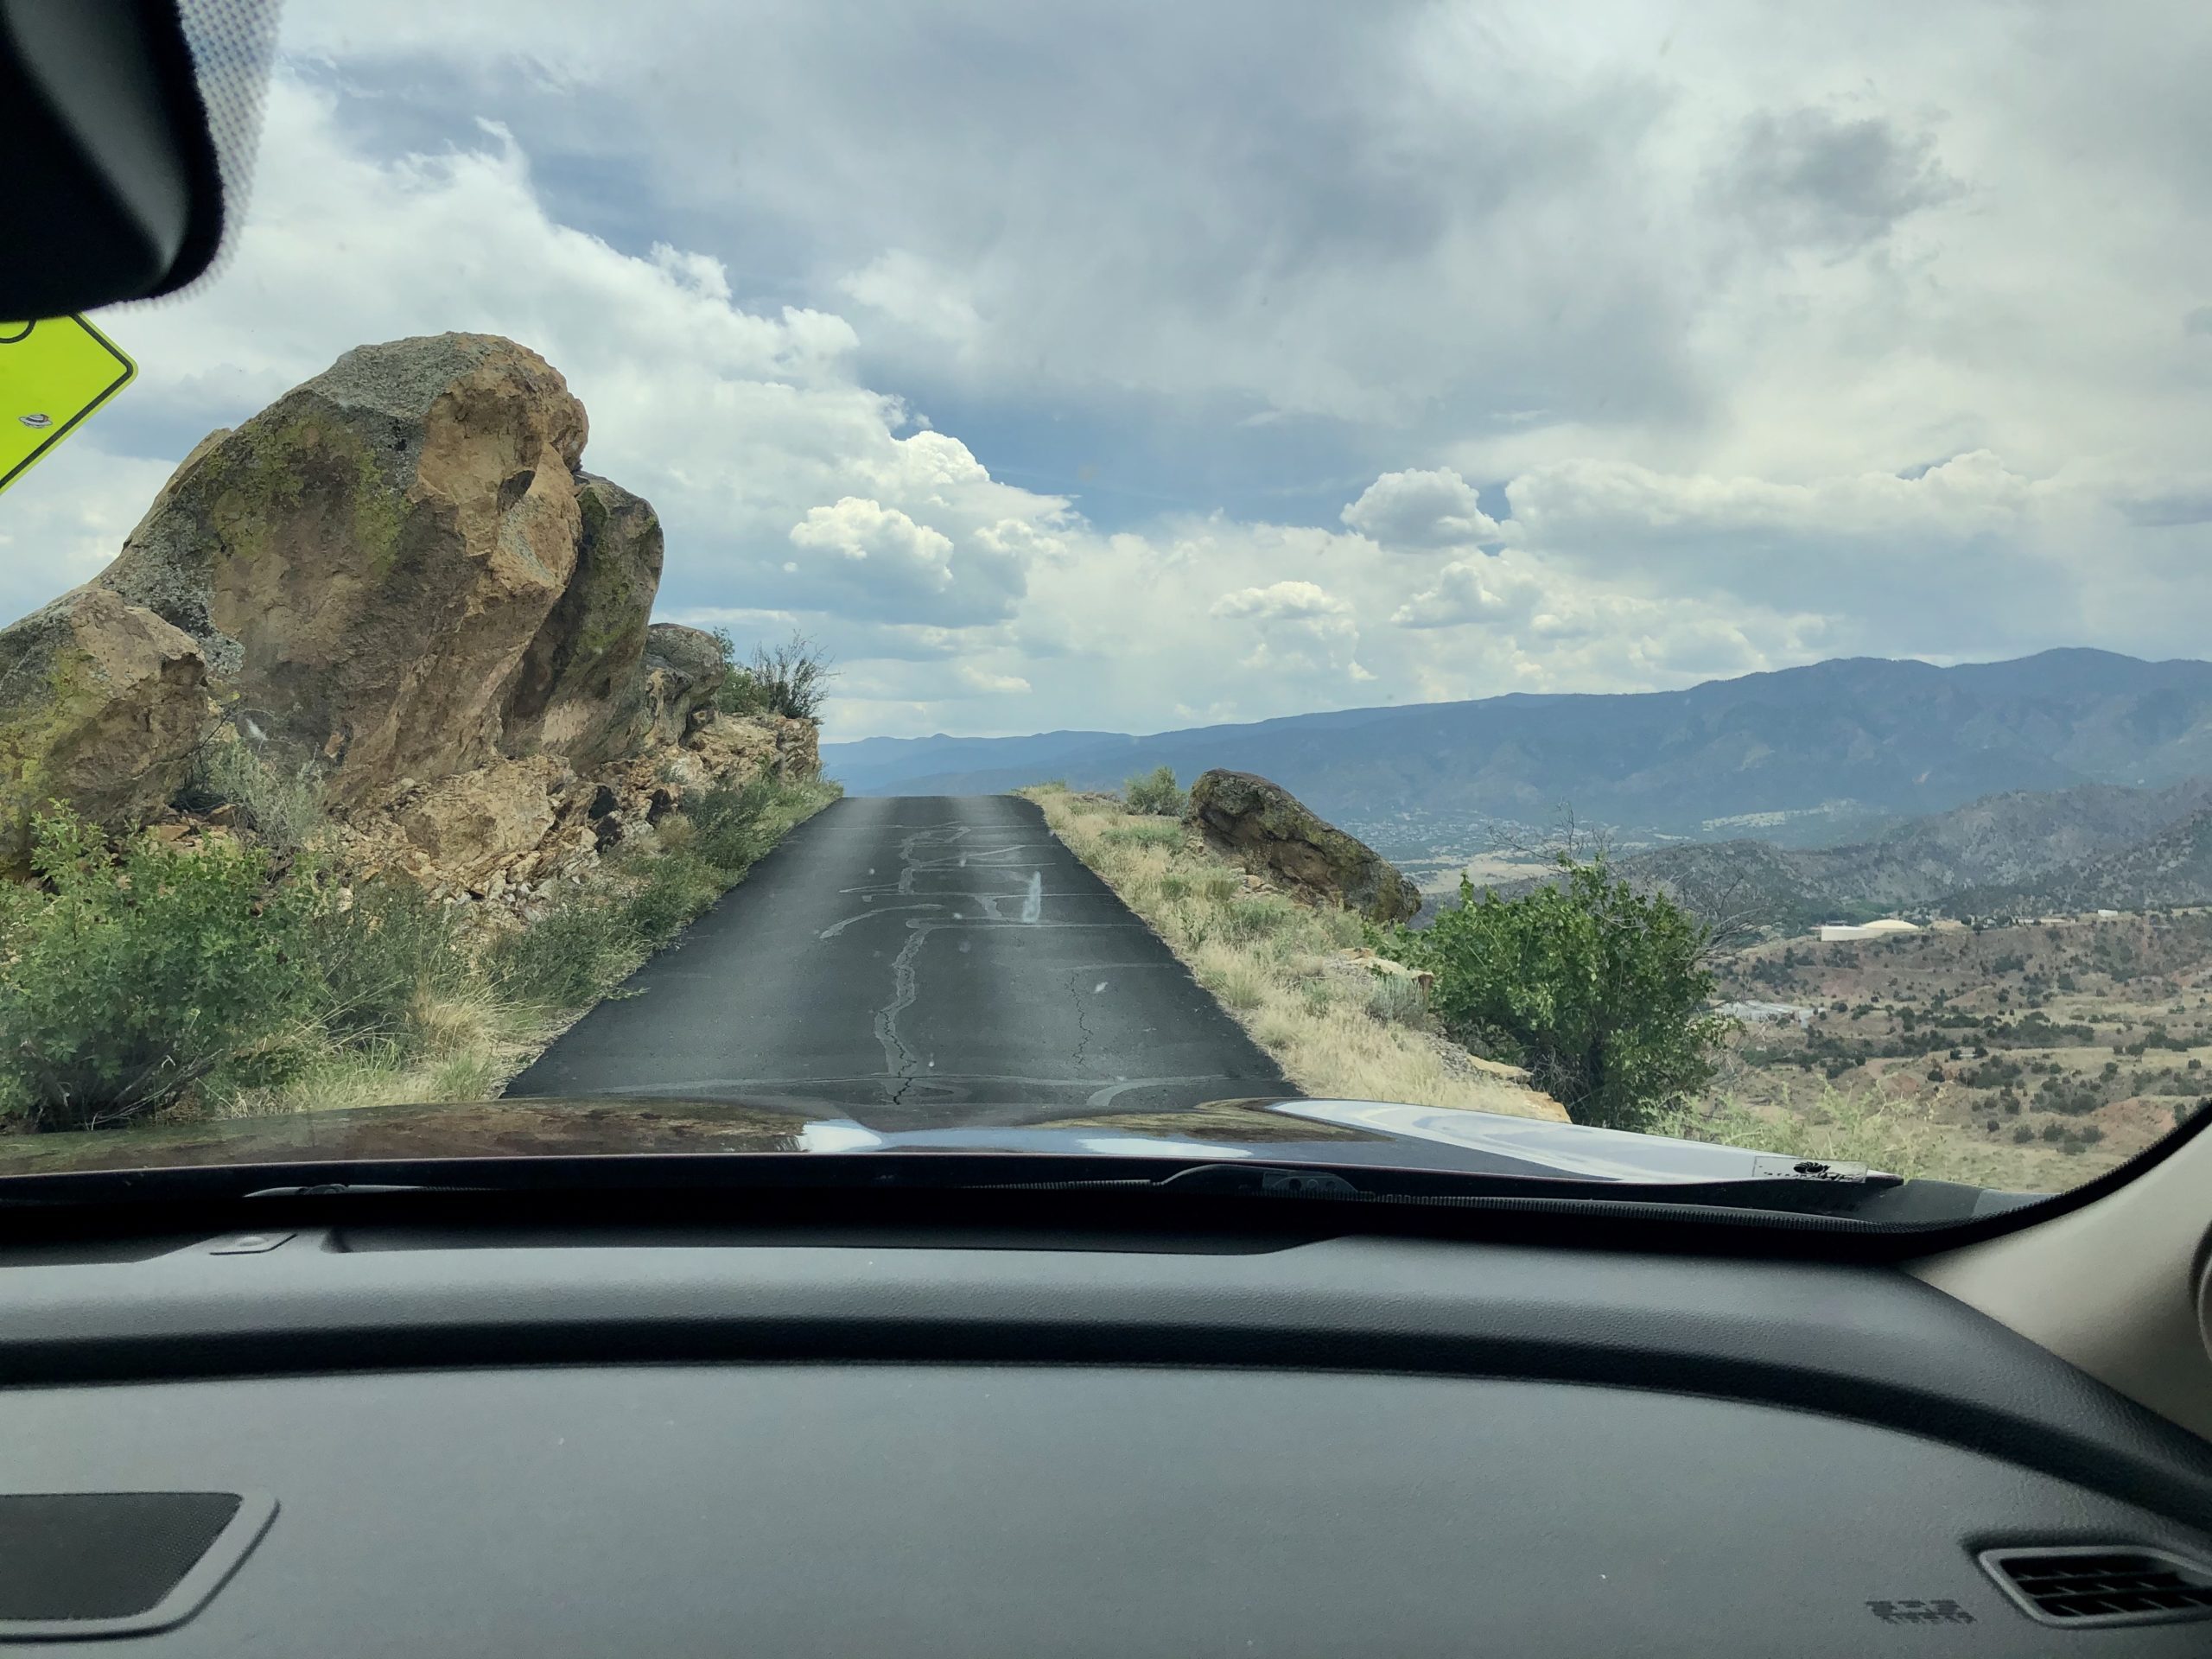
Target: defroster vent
(2092, 1587)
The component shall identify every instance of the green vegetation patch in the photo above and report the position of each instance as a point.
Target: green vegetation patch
(1599, 990)
(1155, 794)
(153, 981)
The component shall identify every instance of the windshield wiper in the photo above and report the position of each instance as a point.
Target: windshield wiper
(1807, 1187)
(1801, 1187)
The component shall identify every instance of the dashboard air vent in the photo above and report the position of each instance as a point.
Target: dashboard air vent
(2090, 1587)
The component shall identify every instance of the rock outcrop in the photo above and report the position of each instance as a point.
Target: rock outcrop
(1273, 835)
(684, 667)
(100, 705)
(366, 564)
(509, 834)
(396, 586)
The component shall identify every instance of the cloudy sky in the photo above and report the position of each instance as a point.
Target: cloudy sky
(1133, 366)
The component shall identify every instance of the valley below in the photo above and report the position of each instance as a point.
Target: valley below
(2029, 1055)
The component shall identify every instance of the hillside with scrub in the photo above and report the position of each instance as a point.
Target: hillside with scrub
(2013, 1057)
(1300, 978)
(362, 768)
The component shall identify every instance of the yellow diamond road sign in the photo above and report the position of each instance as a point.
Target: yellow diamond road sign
(53, 375)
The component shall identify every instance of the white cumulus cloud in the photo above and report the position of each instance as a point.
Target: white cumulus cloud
(1466, 590)
(1421, 510)
(1301, 626)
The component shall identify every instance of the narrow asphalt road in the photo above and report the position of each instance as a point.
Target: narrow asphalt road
(915, 961)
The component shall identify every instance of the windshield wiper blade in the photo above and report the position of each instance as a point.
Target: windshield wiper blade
(1824, 1189)
(332, 1189)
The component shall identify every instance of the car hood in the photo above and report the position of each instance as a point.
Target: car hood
(1341, 1131)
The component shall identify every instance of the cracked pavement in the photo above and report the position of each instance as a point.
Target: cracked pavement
(915, 963)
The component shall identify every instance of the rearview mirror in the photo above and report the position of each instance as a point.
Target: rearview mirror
(109, 188)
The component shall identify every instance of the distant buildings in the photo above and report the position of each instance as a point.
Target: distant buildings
(1762, 1013)
(1887, 928)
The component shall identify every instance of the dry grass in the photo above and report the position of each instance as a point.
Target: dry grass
(1337, 1028)
(1837, 1126)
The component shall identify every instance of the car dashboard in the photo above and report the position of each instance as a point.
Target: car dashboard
(961, 1440)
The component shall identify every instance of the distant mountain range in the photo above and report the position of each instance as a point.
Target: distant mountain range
(1803, 755)
(2073, 850)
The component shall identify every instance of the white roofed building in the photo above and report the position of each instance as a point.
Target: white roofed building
(1888, 928)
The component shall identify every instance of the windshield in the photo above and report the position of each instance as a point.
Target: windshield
(1384, 583)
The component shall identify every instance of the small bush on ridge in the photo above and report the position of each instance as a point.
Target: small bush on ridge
(1154, 792)
(790, 679)
(1599, 990)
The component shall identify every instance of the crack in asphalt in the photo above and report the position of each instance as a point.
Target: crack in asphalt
(905, 984)
(928, 850)
(1082, 1015)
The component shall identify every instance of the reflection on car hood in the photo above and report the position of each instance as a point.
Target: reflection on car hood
(1274, 1130)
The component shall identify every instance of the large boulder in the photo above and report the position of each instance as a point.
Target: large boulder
(580, 691)
(366, 564)
(683, 669)
(1273, 834)
(396, 586)
(101, 703)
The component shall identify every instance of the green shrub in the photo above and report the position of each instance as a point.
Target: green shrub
(791, 679)
(1154, 793)
(140, 976)
(285, 811)
(731, 828)
(1397, 999)
(674, 832)
(676, 888)
(564, 958)
(380, 958)
(1599, 990)
(1256, 916)
(739, 692)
